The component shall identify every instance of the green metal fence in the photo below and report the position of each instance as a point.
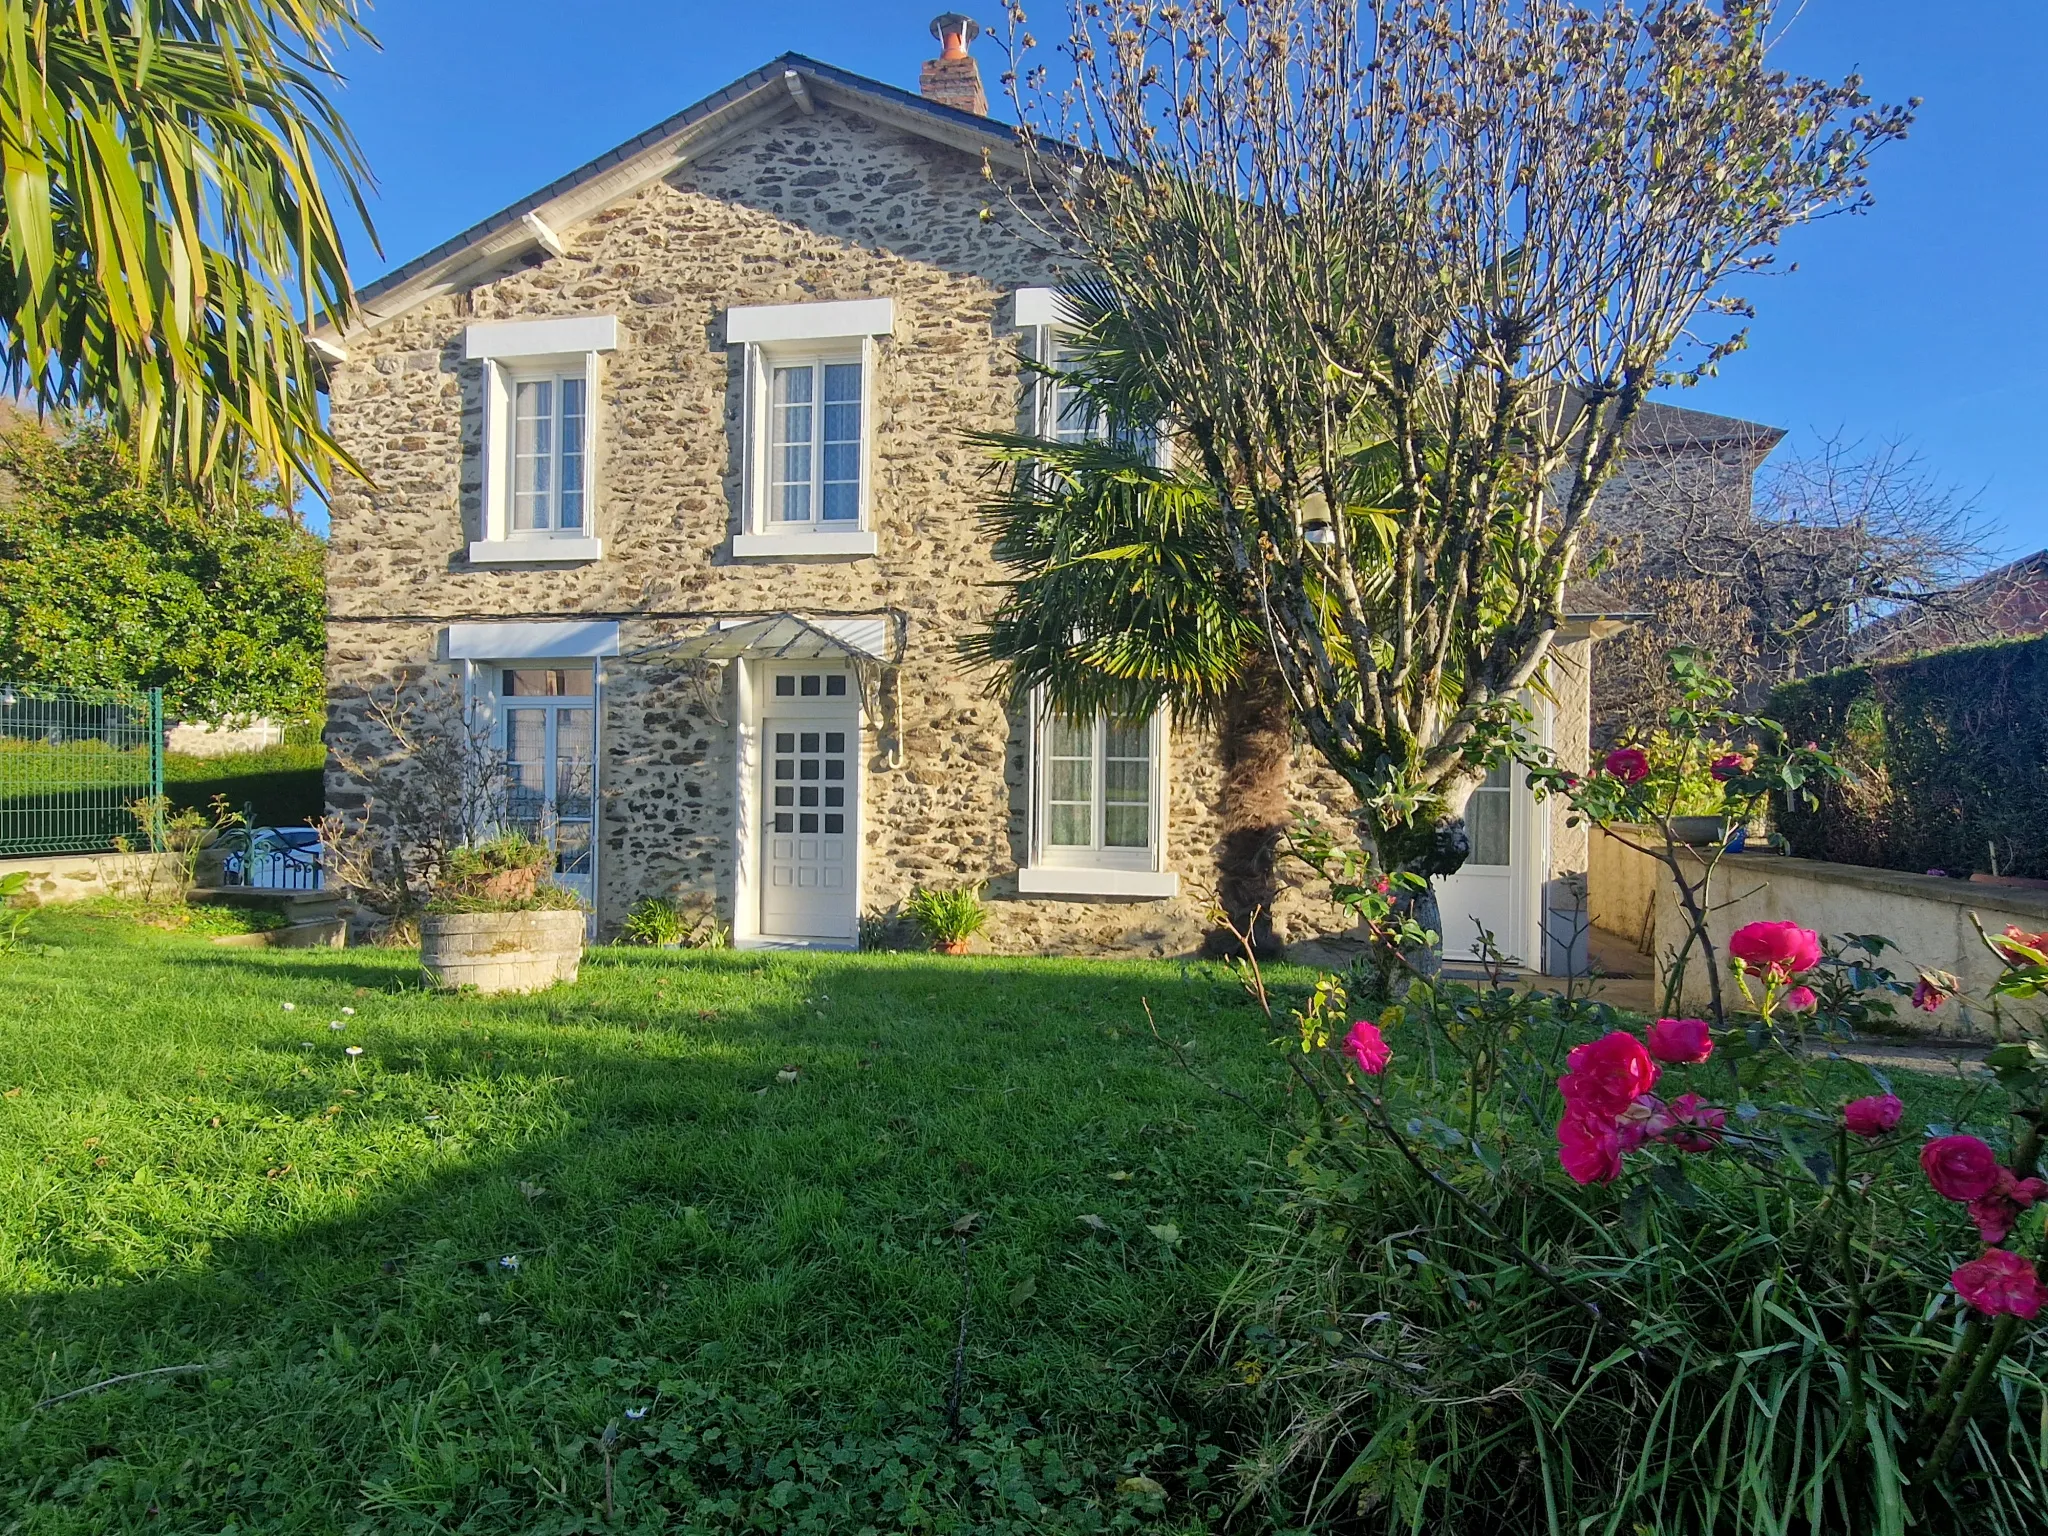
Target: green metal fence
(73, 761)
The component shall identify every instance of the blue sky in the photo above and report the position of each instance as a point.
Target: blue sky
(1924, 319)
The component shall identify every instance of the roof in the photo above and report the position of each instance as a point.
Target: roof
(791, 83)
(1658, 425)
(2008, 603)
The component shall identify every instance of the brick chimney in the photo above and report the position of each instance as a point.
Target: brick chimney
(953, 79)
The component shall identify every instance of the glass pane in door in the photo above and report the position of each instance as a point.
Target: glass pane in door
(526, 768)
(1488, 819)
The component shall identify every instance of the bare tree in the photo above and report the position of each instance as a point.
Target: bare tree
(1836, 542)
(428, 780)
(1405, 272)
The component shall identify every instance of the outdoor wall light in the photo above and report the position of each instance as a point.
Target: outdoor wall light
(1318, 533)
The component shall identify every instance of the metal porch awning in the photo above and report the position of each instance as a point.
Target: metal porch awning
(791, 637)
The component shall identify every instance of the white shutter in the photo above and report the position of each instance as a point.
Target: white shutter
(593, 365)
(753, 453)
(496, 454)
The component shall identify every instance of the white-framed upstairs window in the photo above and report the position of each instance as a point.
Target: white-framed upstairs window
(1098, 803)
(539, 443)
(1054, 407)
(817, 408)
(807, 426)
(550, 453)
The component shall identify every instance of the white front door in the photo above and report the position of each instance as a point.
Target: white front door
(1483, 893)
(810, 805)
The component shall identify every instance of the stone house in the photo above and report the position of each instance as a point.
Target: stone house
(670, 476)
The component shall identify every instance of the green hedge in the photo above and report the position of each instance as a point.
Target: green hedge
(284, 781)
(1950, 757)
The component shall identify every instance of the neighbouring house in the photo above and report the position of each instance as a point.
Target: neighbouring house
(670, 475)
(2009, 603)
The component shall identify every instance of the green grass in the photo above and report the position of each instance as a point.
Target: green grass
(768, 1269)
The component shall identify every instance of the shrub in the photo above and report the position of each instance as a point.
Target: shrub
(1540, 1273)
(502, 873)
(661, 922)
(947, 918)
(1503, 1307)
(1948, 752)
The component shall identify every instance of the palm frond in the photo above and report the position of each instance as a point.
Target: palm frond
(164, 232)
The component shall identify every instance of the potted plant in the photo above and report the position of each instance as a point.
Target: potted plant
(495, 923)
(948, 918)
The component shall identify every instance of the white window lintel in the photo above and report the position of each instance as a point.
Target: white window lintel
(509, 339)
(1043, 306)
(836, 320)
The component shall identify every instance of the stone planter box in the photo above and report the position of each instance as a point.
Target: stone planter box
(501, 951)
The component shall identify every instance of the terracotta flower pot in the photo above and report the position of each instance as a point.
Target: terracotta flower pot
(951, 946)
(501, 951)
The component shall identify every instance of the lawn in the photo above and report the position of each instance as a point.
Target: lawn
(708, 1201)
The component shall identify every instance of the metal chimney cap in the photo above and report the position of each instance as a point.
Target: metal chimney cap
(966, 27)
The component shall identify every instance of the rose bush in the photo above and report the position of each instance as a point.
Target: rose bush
(1539, 1249)
(1551, 1269)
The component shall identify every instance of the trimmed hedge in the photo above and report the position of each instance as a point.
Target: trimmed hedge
(1950, 754)
(284, 782)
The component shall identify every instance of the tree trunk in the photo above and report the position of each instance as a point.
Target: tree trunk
(1257, 749)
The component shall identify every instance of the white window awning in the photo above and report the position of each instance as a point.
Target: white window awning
(530, 642)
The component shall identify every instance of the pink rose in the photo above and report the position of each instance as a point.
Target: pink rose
(1631, 765)
(1782, 950)
(1728, 766)
(1589, 1150)
(1927, 997)
(2000, 1284)
(1366, 1046)
(1960, 1167)
(1997, 1213)
(1606, 1076)
(1694, 1124)
(2016, 946)
(1799, 1000)
(1681, 1042)
(1873, 1116)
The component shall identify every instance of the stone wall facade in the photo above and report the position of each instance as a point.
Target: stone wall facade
(825, 207)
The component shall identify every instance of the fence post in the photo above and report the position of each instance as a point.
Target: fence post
(156, 743)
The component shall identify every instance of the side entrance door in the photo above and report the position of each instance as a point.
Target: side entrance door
(810, 805)
(1482, 894)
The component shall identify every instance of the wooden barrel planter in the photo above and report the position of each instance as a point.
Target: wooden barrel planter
(501, 951)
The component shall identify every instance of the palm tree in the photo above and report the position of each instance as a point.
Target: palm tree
(163, 230)
(1126, 598)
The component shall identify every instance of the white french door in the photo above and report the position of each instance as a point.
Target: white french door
(809, 805)
(1484, 892)
(547, 727)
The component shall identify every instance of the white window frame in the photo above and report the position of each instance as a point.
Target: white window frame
(791, 335)
(512, 352)
(1044, 316)
(1096, 870)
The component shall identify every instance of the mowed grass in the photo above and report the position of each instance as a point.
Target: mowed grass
(709, 1201)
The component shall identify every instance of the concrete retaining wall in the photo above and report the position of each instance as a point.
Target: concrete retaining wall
(77, 876)
(1621, 885)
(1926, 916)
